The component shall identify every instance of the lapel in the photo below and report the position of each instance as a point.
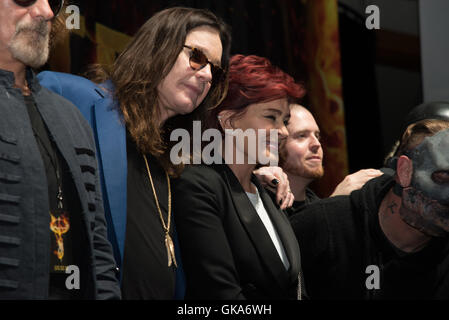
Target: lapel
(59, 129)
(283, 227)
(256, 229)
(111, 137)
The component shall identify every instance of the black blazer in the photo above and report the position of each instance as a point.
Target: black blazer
(226, 250)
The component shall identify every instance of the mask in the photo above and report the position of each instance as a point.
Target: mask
(425, 203)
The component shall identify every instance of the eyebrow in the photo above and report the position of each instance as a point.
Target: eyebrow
(274, 110)
(306, 131)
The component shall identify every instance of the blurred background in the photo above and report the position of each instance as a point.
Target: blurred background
(360, 83)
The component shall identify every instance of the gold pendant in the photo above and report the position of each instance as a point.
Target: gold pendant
(170, 250)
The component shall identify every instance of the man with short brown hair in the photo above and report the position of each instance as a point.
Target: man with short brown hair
(302, 160)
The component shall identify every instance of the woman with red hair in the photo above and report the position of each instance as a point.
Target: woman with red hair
(235, 243)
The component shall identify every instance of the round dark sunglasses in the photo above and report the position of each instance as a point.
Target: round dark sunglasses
(198, 61)
(55, 5)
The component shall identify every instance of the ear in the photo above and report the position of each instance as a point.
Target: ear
(404, 170)
(225, 119)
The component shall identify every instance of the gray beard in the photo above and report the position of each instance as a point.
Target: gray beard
(30, 44)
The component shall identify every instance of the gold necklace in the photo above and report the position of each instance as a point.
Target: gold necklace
(168, 241)
(25, 89)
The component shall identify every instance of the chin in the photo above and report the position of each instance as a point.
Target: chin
(273, 158)
(314, 173)
(185, 108)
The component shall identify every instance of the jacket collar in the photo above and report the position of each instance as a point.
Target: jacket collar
(258, 234)
(7, 79)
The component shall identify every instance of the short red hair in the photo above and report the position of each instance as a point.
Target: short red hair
(253, 79)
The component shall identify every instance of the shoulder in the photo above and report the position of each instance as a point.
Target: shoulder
(69, 114)
(58, 81)
(325, 206)
(203, 176)
(321, 215)
(79, 90)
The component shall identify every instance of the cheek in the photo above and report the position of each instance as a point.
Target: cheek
(205, 93)
(299, 151)
(293, 153)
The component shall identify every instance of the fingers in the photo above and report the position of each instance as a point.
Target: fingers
(288, 201)
(275, 179)
(369, 172)
(283, 193)
(274, 182)
(355, 181)
(267, 177)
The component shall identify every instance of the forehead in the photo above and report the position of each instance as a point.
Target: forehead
(301, 119)
(208, 40)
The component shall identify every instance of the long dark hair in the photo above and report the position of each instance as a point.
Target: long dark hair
(142, 66)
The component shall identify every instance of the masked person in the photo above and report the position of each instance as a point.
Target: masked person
(438, 110)
(388, 240)
(52, 218)
(170, 73)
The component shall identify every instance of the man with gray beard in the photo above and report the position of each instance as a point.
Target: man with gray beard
(53, 241)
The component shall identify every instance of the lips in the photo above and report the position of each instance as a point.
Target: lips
(272, 145)
(314, 158)
(194, 89)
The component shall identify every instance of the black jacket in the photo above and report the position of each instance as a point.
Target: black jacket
(24, 215)
(341, 236)
(226, 251)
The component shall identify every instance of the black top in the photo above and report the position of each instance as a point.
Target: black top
(64, 224)
(297, 206)
(25, 219)
(146, 274)
(341, 237)
(226, 250)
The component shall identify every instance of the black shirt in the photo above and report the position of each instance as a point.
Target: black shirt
(64, 229)
(146, 274)
(341, 237)
(297, 206)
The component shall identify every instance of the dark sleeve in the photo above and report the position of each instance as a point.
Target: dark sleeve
(107, 284)
(207, 257)
(311, 228)
(108, 287)
(312, 231)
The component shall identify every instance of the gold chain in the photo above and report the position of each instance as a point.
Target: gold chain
(168, 241)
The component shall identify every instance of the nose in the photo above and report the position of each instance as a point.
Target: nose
(283, 132)
(315, 144)
(41, 9)
(205, 73)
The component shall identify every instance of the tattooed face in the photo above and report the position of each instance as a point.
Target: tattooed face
(426, 201)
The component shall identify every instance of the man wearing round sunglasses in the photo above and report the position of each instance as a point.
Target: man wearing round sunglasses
(51, 217)
(168, 76)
